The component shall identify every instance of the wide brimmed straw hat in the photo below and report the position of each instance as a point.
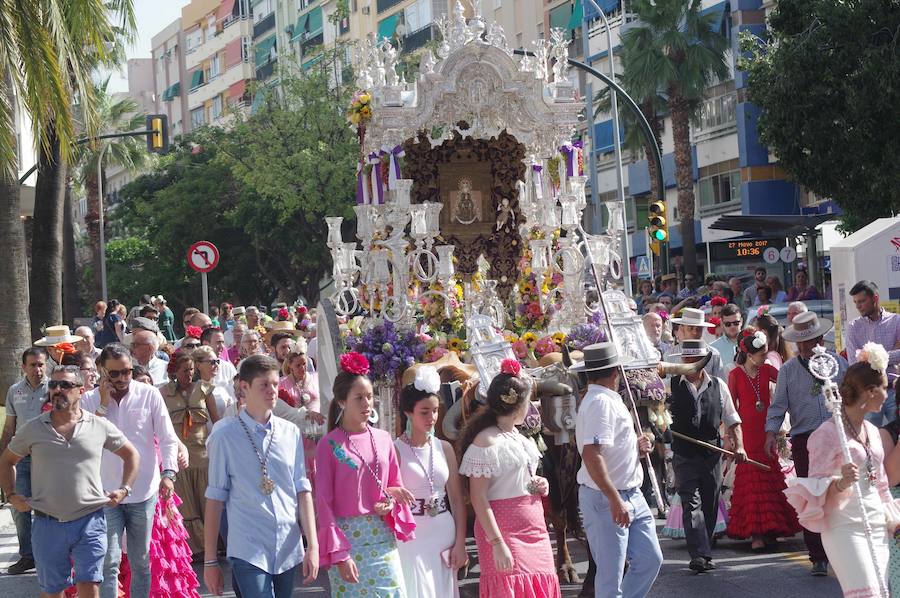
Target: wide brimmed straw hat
(56, 335)
(692, 317)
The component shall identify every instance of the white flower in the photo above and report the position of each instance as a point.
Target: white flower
(759, 339)
(427, 380)
(875, 355)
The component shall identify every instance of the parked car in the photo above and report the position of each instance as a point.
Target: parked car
(823, 309)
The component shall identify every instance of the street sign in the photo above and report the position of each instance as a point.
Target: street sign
(644, 270)
(771, 255)
(203, 256)
(788, 254)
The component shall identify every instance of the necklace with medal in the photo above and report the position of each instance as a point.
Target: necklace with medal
(431, 505)
(870, 464)
(300, 387)
(754, 384)
(266, 485)
(376, 472)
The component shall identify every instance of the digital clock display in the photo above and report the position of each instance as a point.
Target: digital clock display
(742, 249)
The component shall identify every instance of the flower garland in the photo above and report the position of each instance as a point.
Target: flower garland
(433, 313)
(530, 314)
(360, 111)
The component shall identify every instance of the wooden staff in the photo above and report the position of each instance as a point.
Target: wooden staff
(718, 449)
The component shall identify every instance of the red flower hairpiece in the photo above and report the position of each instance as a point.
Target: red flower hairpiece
(193, 332)
(663, 314)
(65, 348)
(721, 301)
(355, 363)
(302, 310)
(510, 367)
(284, 314)
(716, 321)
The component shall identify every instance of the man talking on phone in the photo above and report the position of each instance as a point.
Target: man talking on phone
(138, 410)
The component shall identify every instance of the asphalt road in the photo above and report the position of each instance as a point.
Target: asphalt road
(741, 574)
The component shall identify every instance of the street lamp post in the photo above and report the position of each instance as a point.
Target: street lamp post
(617, 146)
(103, 289)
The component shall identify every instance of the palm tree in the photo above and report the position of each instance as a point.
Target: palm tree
(43, 44)
(674, 51)
(118, 115)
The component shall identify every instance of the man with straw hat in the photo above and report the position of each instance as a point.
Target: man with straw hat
(691, 325)
(617, 519)
(700, 404)
(799, 394)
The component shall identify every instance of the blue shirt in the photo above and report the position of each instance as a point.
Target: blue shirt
(262, 529)
(24, 402)
(794, 394)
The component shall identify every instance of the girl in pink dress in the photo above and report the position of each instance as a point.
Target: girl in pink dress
(299, 388)
(514, 550)
(362, 507)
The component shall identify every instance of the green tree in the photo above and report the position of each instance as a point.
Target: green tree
(42, 49)
(117, 115)
(673, 51)
(299, 157)
(826, 81)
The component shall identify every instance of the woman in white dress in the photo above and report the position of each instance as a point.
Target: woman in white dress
(428, 468)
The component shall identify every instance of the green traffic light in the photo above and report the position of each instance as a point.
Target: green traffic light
(659, 235)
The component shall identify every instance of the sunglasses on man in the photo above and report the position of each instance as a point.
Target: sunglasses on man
(117, 373)
(63, 384)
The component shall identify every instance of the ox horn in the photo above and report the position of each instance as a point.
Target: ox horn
(666, 368)
(553, 388)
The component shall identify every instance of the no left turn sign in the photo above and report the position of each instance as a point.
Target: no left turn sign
(203, 256)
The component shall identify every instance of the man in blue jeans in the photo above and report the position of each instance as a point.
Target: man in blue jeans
(139, 411)
(617, 520)
(66, 443)
(23, 403)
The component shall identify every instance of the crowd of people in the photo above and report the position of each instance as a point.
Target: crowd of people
(122, 439)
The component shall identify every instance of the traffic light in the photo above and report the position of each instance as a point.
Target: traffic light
(157, 134)
(659, 227)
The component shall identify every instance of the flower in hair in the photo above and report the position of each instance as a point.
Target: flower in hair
(720, 301)
(510, 367)
(511, 397)
(284, 314)
(875, 355)
(193, 332)
(302, 310)
(65, 348)
(715, 321)
(752, 340)
(427, 380)
(763, 310)
(355, 363)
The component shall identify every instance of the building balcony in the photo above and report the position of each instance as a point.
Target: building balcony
(239, 72)
(267, 24)
(217, 43)
(383, 5)
(417, 39)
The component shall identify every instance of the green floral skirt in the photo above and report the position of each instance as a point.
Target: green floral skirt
(374, 549)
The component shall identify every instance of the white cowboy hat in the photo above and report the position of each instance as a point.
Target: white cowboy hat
(692, 317)
(807, 326)
(691, 348)
(56, 335)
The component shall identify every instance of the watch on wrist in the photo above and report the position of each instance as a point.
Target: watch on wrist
(101, 410)
(169, 474)
(127, 490)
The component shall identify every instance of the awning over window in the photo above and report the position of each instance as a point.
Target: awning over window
(312, 61)
(172, 92)
(226, 9)
(197, 79)
(607, 6)
(603, 136)
(388, 26)
(264, 50)
(717, 14)
(301, 26)
(315, 21)
(577, 15)
(233, 53)
(236, 90)
(560, 16)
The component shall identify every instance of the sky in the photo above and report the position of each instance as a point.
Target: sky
(152, 17)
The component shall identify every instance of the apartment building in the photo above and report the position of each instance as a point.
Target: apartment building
(169, 73)
(217, 41)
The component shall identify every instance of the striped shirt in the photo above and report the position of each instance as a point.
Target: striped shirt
(885, 331)
(794, 394)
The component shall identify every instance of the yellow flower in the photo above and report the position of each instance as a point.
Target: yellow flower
(510, 337)
(527, 287)
(354, 118)
(559, 338)
(456, 344)
(365, 111)
(364, 98)
(530, 339)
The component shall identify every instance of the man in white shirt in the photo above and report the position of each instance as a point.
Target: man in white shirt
(144, 345)
(700, 404)
(215, 338)
(139, 412)
(617, 520)
(86, 344)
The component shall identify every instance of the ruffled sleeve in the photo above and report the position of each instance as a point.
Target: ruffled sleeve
(400, 519)
(809, 496)
(494, 460)
(333, 545)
